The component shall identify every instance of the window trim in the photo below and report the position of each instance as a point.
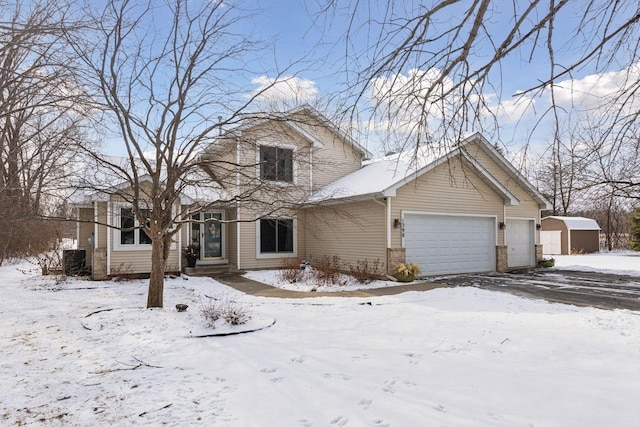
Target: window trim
(272, 255)
(115, 216)
(117, 245)
(294, 167)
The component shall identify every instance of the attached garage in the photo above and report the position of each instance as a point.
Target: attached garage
(520, 238)
(449, 243)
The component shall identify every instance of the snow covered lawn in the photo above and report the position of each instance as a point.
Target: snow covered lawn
(627, 262)
(458, 357)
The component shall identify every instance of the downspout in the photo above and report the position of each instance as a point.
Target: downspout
(387, 227)
(109, 237)
(238, 235)
(180, 240)
(387, 222)
(504, 219)
(95, 226)
(95, 238)
(237, 204)
(311, 171)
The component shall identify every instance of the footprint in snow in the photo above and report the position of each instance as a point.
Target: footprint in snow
(268, 370)
(339, 421)
(365, 403)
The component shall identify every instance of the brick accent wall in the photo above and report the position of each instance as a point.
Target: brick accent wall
(100, 264)
(538, 254)
(395, 256)
(502, 259)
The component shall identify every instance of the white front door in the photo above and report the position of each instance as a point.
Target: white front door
(520, 239)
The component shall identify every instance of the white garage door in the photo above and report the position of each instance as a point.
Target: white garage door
(520, 243)
(447, 244)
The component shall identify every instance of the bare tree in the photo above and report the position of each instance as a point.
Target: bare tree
(169, 77)
(434, 71)
(40, 125)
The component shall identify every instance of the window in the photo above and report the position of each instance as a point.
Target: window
(276, 236)
(128, 221)
(276, 164)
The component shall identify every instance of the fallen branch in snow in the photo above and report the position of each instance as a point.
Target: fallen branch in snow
(131, 367)
(504, 341)
(155, 410)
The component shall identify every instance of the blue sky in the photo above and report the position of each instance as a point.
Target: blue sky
(292, 23)
(312, 45)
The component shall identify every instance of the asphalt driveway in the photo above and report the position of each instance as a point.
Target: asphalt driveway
(591, 289)
(581, 288)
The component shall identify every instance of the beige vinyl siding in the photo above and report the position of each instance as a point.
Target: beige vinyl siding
(275, 135)
(231, 229)
(102, 228)
(221, 163)
(139, 261)
(249, 241)
(134, 260)
(353, 232)
(450, 187)
(335, 159)
(528, 207)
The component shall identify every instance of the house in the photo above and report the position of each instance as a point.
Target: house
(297, 186)
(565, 235)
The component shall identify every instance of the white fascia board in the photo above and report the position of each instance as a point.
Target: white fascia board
(347, 199)
(543, 203)
(391, 190)
(314, 141)
(509, 198)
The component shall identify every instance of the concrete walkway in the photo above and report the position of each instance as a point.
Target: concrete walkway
(252, 287)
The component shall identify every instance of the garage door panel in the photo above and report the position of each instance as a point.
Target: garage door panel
(447, 244)
(520, 242)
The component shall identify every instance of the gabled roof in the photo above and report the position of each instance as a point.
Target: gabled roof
(100, 181)
(576, 222)
(284, 119)
(382, 177)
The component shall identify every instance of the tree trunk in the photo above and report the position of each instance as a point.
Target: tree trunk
(156, 281)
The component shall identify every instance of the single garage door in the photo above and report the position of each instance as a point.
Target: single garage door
(520, 242)
(448, 244)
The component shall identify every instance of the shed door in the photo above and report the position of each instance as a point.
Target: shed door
(551, 241)
(448, 244)
(520, 242)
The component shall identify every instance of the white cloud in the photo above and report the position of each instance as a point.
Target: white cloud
(597, 92)
(284, 89)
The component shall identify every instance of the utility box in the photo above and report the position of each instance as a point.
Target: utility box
(74, 262)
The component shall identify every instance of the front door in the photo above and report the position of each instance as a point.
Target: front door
(211, 232)
(206, 231)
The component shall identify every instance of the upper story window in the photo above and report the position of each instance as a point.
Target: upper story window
(276, 164)
(127, 222)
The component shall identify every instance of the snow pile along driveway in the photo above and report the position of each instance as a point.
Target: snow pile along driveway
(462, 356)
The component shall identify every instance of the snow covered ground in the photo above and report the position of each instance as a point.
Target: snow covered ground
(627, 262)
(447, 357)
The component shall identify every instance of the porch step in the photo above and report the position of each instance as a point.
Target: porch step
(211, 270)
